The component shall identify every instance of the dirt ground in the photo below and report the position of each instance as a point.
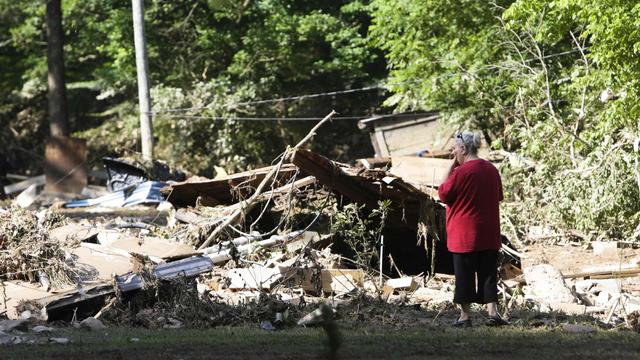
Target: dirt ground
(574, 258)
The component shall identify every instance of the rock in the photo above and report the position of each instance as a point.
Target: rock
(59, 340)
(322, 314)
(173, 324)
(26, 314)
(546, 284)
(42, 329)
(10, 325)
(91, 323)
(578, 329)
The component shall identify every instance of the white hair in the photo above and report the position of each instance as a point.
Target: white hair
(470, 140)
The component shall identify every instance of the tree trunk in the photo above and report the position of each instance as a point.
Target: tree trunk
(57, 95)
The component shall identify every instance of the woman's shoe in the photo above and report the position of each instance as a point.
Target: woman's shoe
(462, 323)
(496, 321)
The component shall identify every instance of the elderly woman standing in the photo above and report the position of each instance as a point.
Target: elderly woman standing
(472, 193)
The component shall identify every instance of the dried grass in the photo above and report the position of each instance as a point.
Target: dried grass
(178, 299)
(27, 252)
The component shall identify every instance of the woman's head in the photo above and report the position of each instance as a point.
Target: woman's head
(466, 144)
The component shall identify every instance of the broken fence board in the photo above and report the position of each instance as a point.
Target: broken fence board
(605, 274)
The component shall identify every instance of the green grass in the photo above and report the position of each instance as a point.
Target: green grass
(385, 342)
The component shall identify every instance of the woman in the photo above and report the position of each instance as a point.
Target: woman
(472, 193)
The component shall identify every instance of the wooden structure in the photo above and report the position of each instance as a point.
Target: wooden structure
(406, 134)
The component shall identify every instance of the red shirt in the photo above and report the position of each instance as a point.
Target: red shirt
(472, 193)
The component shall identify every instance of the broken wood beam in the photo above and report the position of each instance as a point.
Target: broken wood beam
(332, 176)
(247, 205)
(604, 274)
(218, 191)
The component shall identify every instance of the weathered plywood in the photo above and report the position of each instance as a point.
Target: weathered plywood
(15, 292)
(409, 140)
(327, 280)
(420, 171)
(73, 231)
(98, 263)
(65, 165)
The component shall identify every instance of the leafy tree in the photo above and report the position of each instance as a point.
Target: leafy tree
(241, 51)
(529, 74)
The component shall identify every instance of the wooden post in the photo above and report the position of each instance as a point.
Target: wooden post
(146, 128)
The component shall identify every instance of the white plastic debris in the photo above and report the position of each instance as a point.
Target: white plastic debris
(27, 197)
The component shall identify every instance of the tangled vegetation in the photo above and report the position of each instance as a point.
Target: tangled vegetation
(361, 231)
(27, 252)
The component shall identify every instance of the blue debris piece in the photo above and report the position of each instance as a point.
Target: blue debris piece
(147, 192)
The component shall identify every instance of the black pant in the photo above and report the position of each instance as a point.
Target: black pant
(466, 266)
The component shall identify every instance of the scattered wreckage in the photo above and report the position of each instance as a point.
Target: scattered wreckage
(252, 246)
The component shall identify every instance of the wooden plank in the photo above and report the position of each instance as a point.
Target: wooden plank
(421, 171)
(19, 186)
(604, 274)
(218, 191)
(73, 231)
(375, 162)
(439, 154)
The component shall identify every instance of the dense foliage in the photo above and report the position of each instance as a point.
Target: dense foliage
(556, 81)
(211, 55)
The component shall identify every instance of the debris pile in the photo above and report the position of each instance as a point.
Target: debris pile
(265, 246)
